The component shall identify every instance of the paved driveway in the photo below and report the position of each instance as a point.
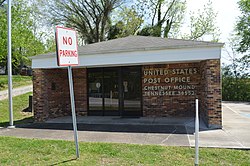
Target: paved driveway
(236, 121)
(173, 132)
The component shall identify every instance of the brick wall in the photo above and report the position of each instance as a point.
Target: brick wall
(51, 93)
(181, 83)
(163, 97)
(211, 93)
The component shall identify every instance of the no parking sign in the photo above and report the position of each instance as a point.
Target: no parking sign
(67, 47)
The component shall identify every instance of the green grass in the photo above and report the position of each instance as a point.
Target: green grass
(15, 151)
(19, 104)
(17, 81)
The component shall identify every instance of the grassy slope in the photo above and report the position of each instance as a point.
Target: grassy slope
(19, 104)
(17, 81)
(15, 151)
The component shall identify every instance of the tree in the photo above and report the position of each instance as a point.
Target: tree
(166, 19)
(236, 80)
(24, 43)
(243, 26)
(1, 2)
(127, 22)
(165, 16)
(203, 23)
(90, 18)
(236, 75)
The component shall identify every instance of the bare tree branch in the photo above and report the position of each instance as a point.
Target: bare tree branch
(89, 17)
(1, 2)
(167, 12)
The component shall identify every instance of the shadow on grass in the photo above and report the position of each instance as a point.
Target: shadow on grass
(17, 122)
(66, 161)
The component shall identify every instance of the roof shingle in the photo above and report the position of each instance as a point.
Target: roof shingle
(139, 43)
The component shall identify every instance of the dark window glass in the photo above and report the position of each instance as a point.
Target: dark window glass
(114, 91)
(95, 90)
(131, 89)
(111, 98)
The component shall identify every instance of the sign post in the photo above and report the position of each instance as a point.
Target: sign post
(67, 55)
(73, 109)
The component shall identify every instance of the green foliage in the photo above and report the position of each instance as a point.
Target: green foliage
(150, 31)
(236, 80)
(235, 89)
(128, 23)
(243, 26)
(24, 42)
(50, 45)
(165, 16)
(236, 76)
(203, 23)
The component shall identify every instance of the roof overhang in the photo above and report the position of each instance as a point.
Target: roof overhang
(135, 57)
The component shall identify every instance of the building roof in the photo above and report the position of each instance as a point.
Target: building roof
(137, 43)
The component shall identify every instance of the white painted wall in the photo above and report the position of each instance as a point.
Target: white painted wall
(135, 58)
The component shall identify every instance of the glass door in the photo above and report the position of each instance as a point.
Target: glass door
(111, 93)
(131, 89)
(95, 92)
(114, 91)
(103, 94)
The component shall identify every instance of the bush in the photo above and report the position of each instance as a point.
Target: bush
(235, 89)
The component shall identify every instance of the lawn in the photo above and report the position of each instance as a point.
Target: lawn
(16, 151)
(17, 81)
(19, 104)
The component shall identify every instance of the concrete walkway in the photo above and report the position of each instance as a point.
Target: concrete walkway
(16, 91)
(158, 131)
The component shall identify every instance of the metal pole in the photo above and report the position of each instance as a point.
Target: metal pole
(11, 125)
(73, 109)
(196, 134)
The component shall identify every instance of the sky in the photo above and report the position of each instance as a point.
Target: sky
(227, 15)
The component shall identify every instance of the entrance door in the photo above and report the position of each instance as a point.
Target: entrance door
(95, 92)
(114, 91)
(110, 92)
(131, 83)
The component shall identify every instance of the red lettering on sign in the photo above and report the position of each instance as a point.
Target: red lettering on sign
(67, 41)
(68, 53)
(70, 41)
